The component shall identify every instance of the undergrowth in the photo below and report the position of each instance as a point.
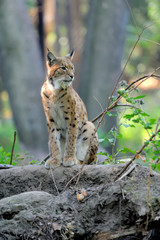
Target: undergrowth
(132, 117)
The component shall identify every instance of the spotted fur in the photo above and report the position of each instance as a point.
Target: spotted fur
(70, 132)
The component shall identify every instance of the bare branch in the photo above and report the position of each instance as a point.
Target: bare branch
(136, 155)
(14, 140)
(114, 104)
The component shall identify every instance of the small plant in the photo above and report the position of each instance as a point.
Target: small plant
(131, 118)
(5, 157)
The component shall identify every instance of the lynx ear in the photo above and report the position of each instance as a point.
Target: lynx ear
(51, 58)
(71, 54)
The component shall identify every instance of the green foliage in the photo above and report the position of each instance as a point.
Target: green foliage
(5, 157)
(133, 118)
(7, 129)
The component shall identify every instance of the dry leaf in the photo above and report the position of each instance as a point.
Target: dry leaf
(80, 196)
(56, 226)
(83, 191)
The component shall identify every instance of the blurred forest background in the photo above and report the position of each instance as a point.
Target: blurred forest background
(102, 32)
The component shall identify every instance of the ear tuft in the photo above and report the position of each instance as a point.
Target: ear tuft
(71, 54)
(51, 58)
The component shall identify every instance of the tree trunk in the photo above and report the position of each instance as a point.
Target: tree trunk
(23, 73)
(123, 210)
(103, 51)
(40, 5)
(57, 24)
(75, 34)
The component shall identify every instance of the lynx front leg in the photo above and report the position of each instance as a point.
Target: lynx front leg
(55, 161)
(70, 147)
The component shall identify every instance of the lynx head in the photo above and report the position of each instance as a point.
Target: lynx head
(60, 70)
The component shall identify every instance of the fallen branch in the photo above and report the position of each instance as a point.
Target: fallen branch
(136, 155)
(128, 172)
(46, 158)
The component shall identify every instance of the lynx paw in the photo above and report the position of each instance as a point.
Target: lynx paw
(52, 163)
(68, 162)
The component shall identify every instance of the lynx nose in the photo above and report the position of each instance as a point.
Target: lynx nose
(71, 76)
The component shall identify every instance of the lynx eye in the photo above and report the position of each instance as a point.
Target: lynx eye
(64, 68)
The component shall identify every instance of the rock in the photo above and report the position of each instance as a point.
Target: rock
(31, 207)
(19, 212)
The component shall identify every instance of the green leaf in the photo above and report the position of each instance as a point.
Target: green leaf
(147, 125)
(121, 91)
(127, 125)
(119, 135)
(144, 114)
(137, 111)
(152, 120)
(158, 167)
(111, 140)
(102, 153)
(139, 97)
(137, 120)
(130, 100)
(102, 140)
(128, 116)
(110, 114)
(33, 162)
(126, 150)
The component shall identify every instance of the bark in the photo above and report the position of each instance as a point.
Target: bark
(40, 5)
(57, 24)
(103, 51)
(75, 34)
(22, 73)
(31, 208)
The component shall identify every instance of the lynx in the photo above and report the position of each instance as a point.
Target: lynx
(72, 137)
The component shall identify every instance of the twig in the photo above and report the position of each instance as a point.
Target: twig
(157, 125)
(46, 158)
(54, 181)
(136, 155)
(133, 17)
(146, 78)
(114, 104)
(72, 179)
(14, 140)
(5, 166)
(102, 115)
(84, 162)
(127, 105)
(128, 59)
(148, 40)
(128, 172)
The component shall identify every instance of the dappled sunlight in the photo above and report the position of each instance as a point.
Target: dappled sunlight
(6, 110)
(149, 84)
